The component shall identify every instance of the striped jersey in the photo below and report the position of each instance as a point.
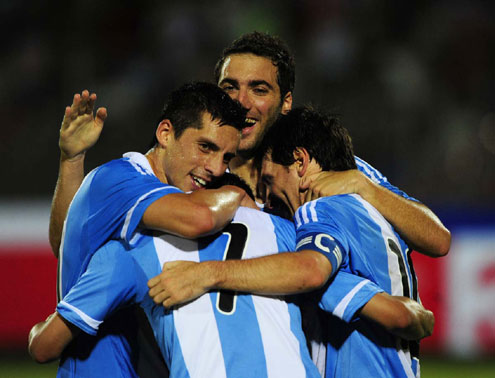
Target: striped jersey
(108, 206)
(220, 334)
(365, 245)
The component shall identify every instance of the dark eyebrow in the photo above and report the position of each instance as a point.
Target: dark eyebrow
(229, 81)
(255, 83)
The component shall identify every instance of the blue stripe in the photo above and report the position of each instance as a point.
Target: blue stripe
(295, 326)
(233, 338)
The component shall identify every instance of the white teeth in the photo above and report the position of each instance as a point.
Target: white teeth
(199, 181)
(250, 121)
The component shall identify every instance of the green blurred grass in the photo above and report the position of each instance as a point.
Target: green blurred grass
(21, 366)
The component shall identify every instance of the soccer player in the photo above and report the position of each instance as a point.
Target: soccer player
(197, 135)
(340, 232)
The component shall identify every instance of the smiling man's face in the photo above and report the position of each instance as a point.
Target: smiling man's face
(199, 155)
(252, 80)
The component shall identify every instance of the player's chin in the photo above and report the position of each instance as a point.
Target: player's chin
(249, 142)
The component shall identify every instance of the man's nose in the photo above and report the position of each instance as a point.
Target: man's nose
(244, 99)
(216, 165)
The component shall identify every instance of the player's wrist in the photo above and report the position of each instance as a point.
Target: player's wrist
(211, 275)
(363, 185)
(71, 158)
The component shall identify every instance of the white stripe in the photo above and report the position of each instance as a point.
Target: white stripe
(195, 322)
(131, 210)
(281, 348)
(405, 361)
(304, 213)
(366, 167)
(312, 210)
(298, 218)
(387, 233)
(138, 168)
(86, 318)
(342, 306)
(304, 241)
(338, 255)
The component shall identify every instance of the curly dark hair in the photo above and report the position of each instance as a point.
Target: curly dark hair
(265, 45)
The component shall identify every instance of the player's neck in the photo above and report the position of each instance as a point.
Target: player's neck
(153, 158)
(247, 170)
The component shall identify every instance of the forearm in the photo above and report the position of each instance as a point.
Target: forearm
(70, 177)
(48, 339)
(280, 274)
(416, 223)
(401, 316)
(200, 213)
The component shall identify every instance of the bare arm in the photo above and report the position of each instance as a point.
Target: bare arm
(79, 131)
(282, 273)
(194, 215)
(416, 223)
(48, 339)
(401, 316)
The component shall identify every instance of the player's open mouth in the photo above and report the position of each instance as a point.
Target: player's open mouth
(250, 123)
(198, 181)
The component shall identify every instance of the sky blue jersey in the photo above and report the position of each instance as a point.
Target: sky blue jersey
(220, 334)
(109, 205)
(358, 240)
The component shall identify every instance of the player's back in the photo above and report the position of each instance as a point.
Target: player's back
(225, 334)
(376, 252)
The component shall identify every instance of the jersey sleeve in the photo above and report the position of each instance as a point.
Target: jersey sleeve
(108, 283)
(377, 177)
(120, 193)
(317, 230)
(346, 294)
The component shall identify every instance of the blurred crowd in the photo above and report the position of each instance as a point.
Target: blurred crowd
(413, 81)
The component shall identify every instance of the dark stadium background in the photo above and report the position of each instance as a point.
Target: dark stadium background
(413, 81)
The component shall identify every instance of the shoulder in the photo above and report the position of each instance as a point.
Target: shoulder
(324, 208)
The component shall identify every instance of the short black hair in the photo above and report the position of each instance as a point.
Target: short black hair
(320, 133)
(186, 105)
(265, 45)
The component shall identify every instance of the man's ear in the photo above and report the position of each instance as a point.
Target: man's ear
(302, 159)
(286, 103)
(164, 132)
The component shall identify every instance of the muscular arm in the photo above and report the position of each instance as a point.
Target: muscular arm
(48, 339)
(283, 273)
(401, 316)
(79, 131)
(194, 215)
(416, 223)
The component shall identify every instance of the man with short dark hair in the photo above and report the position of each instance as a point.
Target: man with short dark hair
(196, 137)
(257, 70)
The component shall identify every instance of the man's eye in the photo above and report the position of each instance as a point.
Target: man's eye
(204, 146)
(260, 90)
(228, 88)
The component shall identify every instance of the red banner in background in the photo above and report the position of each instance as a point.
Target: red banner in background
(28, 291)
(433, 294)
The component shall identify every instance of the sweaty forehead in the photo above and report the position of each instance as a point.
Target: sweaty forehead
(248, 67)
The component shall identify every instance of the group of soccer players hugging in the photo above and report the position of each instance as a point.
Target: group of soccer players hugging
(294, 263)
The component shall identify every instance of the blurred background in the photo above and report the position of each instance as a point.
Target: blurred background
(413, 81)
